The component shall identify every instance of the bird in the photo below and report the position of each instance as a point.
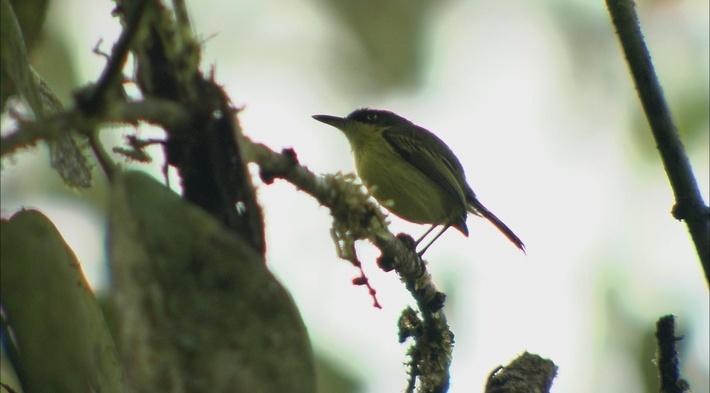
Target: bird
(412, 172)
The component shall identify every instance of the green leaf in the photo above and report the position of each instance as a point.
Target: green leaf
(14, 57)
(193, 294)
(63, 341)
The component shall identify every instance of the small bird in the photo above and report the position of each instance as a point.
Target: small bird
(412, 172)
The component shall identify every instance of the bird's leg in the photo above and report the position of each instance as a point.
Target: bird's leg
(420, 253)
(424, 235)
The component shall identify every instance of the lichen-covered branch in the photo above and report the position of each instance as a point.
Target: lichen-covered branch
(204, 143)
(433, 340)
(527, 373)
(191, 291)
(355, 218)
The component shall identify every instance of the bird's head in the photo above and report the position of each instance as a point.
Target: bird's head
(363, 123)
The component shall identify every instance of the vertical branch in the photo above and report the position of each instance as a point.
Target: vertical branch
(668, 364)
(689, 204)
(203, 150)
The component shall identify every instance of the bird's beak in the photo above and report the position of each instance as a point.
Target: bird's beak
(335, 121)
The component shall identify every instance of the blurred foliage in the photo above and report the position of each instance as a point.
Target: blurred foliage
(7, 371)
(67, 153)
(196, 295)
(391, 34)
(580, 29)
(31, 16)
(635, 339)
(689, 107)
(330, 378)
(52, 58)
(62, 339)
(687, 96)
(645, 358)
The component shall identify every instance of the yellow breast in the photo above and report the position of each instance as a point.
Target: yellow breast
(402, 188)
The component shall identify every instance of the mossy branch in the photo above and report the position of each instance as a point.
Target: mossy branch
(526, 373)
(433, 340)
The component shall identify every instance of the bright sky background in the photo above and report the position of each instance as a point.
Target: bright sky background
(535, 99)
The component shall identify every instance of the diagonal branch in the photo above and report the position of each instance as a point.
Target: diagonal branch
(155, 111)
(431, 353)
(93, 100)
(689, 204)
(355, 218)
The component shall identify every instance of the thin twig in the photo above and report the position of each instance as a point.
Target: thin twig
(181, 15)
(689, 204)
(112, 75)
(108, 166)
(30, 132)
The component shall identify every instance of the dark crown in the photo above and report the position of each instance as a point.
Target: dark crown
(377, 117)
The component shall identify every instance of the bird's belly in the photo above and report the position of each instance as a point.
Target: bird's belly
(408, 193)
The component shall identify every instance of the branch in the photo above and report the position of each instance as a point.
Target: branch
(181, 15)
(30, 132)
(93, 100)
(689, 205)
(527, 373)
(351, 209)
(356, 218)
(155, 111)
(668, 369)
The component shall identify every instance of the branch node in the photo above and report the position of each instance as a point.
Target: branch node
(407, 240)
(291, 155)
(680, 211)
(437, 302)
(386, 262)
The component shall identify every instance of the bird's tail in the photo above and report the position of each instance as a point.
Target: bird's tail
(476, 207)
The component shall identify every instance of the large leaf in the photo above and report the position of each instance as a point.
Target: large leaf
(63, 341)
(197, 308)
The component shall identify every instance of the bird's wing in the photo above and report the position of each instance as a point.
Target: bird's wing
(436, 161)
